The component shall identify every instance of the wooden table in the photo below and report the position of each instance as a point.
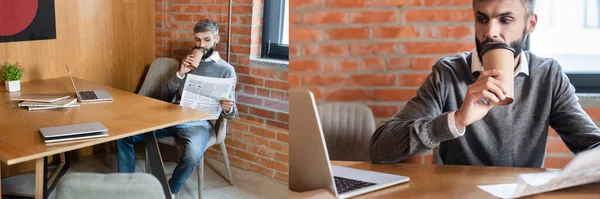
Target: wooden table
(129, 114)
(446, 181)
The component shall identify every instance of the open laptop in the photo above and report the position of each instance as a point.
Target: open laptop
(73, 132)
(310, 168)
(89, 95)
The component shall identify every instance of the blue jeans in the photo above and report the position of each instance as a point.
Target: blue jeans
(194, 134)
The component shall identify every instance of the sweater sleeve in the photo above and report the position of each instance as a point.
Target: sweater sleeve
(234, 111)
(170, 89)
(568, 119)
(419, 126)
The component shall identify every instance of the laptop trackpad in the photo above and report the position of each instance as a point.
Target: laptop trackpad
(366, 176)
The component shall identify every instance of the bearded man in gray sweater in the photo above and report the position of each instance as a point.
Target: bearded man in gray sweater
(194, 134)
(451, 109)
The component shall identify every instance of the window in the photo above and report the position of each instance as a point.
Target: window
(568, 32)
(275, 40)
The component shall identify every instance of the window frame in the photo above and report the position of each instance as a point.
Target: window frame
(271, 31)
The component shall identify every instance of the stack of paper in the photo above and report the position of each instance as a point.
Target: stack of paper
(583, 169)
(43, 102)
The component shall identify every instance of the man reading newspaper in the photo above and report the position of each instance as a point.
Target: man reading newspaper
(195, 134)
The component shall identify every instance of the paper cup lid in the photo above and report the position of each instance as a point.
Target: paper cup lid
(496, 46)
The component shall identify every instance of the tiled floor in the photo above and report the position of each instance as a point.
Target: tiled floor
(246, 184)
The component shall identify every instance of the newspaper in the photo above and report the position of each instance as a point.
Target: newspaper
(583, 169)
(204, 93)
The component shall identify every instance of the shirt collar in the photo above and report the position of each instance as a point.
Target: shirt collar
(214, 57)
(477, 66)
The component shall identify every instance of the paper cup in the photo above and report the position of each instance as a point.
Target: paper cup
(502, 57)
(198, 53)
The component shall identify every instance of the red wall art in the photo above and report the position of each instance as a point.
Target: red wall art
(26, 20)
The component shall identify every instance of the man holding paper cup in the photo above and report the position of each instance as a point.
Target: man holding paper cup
(203, 60)
(491, 106)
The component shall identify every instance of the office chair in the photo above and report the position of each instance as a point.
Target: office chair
(113, 185)
(161, 70)
(344, 125)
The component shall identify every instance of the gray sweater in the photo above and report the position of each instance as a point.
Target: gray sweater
(513, 135)
(218, 69)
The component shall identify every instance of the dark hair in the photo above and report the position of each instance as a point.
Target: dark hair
(529, 6)
(206, 25)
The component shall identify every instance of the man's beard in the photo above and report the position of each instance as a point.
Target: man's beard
(517, 45)
(207, 51)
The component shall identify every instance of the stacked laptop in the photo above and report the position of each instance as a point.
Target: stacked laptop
(44, 102)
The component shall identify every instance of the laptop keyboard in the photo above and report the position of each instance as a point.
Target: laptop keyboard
(88, 95)
(344, 184)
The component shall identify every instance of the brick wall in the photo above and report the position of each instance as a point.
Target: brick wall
(380, 51)
(258, 139)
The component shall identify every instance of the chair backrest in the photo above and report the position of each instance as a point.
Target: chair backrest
(347, 128)
(159, 73)
(112, 185)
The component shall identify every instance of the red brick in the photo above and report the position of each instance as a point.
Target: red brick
(326, 50)
(395, 32)
(283, 137)
(373, 80)
(260, 169)
(384, 110)
(448, 2)
(373, 49)
(394, 94)
(305, 4)
(262, 132)
(280, 85)
(428, 159)
(348, 94)
(251, 80)
(281, 176)
(422, 63)
(369, 17)
(324, 79)
(242, 70)
(278, 105)
(412, 79)
(552, 132)
(182, 17)
(276, 146)
(437, 47)
(556, 162)
(347, 33)
(250, 90)
(296, 65)
(556, 146)
(249, 100)
(262, 113)
(293, 50)
(278, 166)
(373, 64)
(318, 93)
(294, 80)
(304, 34)
(397, 2)
(454, 31)
(190, 8)
(348, 66)
(294, 18)
(235, 143)
(398, 63)
(321, 17)
(280, 125)
(330, 66)
(347, 3)
(429, 15)
(246, 156)
(282, 117)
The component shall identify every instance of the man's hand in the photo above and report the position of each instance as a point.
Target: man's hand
(226, 104)
(474, 106)
(187, 65)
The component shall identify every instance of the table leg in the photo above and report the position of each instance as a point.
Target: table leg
(155, 162)
(40, 178)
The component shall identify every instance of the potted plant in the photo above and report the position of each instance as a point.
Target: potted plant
(11, 74)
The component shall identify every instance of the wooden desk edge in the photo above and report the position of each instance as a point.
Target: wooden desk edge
(92, 142)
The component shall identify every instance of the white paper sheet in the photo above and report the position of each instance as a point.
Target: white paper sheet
(583, 169)
(204, 93)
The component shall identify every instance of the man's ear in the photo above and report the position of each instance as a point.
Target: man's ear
(217, 38)
(531, 23)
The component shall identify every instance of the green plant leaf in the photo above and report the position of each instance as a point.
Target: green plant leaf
(12, 72)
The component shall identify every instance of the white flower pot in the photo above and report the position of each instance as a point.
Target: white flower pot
(12, 86)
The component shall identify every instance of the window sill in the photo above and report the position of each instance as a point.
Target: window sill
(589, 100)
(270, 63)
